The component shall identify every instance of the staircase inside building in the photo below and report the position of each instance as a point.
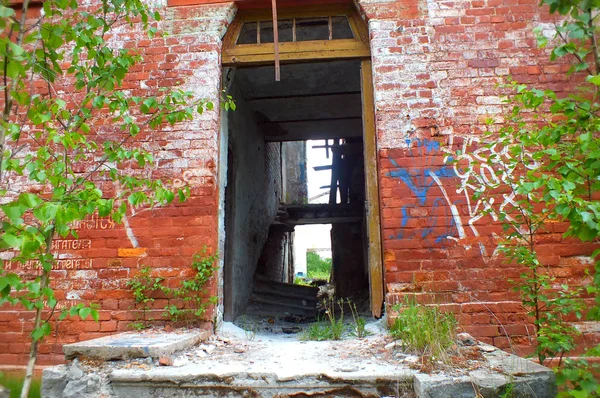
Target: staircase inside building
(278, 299)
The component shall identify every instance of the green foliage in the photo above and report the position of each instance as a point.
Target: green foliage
(578, 376)
(509, 391)
(546, 159)
(317, 267)
(318, 331)
(330, 329)
(186, 302)
(14, 383)
(298, 280)
(424, 330)
(67, 128)
(359, 328)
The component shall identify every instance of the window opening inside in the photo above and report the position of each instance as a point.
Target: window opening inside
(296, 30)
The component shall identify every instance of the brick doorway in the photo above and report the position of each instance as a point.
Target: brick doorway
(320, 96)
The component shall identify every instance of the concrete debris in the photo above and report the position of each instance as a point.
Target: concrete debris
(487, 348)
(181, 361)
(4, 392)
(207, 348)
(465, 339)
(165, 361)
(347, 369)
(503, 371)
(73, 381)
(393, 344)
(291, 330)
(270, 365)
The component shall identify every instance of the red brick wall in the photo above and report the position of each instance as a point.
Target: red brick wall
(436, 70)
(436, 65)
(97, 266)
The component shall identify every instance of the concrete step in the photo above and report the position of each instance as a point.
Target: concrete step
(178, 383)
(271, 365)
(140, 344)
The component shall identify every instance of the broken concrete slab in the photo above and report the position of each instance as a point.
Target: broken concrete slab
(73, 381)
(190, 381)
(503, 372)
(135, 344)
(238, 363)
(4, 392)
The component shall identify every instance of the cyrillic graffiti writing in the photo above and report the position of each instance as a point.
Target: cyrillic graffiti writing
(71, 244)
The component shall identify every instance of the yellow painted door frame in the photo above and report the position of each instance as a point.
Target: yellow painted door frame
(374, 249)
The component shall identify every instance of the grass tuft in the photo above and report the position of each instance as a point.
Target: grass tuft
(424, 330)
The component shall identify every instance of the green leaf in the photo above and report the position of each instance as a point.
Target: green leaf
(30, 200)
(46, 212)
(95, 315)
(11, 240)
(6, 12)
(85, 312)
(594, 79)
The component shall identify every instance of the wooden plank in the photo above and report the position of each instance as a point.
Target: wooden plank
(261, 4)
(294, 47)
(312, 130)
(323, 119)
(372, 191)
(276, 40)
(324, 220)
(240, 3)
(266, 59)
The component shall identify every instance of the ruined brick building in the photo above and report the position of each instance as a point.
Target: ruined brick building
(403, 81)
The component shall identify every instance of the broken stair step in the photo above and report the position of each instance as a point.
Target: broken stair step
(278, 310)
(277, 302)
(181, 382)
(142, 344)
(287, 297)
(262, 284)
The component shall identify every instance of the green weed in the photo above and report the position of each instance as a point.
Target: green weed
(359, 328)
(318, 331)
(331, 328)
(424, 330)
(14, 383)
(186, 302)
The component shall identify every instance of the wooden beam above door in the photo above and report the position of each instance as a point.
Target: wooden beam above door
(248, 4)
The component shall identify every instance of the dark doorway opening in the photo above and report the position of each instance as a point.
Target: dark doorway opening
(267, 195)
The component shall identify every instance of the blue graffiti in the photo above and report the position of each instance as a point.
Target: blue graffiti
(420, 181)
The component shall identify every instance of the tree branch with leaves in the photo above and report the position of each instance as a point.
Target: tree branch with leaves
(61, 80)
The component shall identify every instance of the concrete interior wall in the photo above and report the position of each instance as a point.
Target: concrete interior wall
(255, 184)
(276, 262)
(293, 154)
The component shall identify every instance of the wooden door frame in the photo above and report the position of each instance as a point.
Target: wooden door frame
(315, 51)
(375, 247)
